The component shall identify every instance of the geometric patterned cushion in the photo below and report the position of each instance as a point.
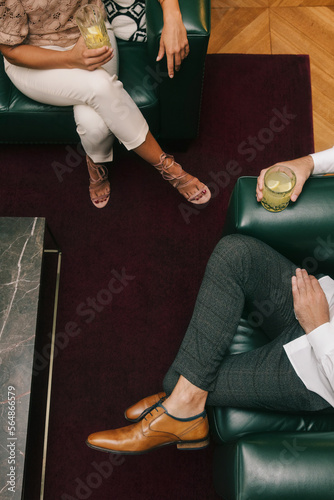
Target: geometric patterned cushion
(127, 19)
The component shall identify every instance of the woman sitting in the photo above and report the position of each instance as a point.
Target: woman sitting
(47, 60)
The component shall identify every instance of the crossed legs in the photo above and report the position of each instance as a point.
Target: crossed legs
(242, 272)
(102, 110)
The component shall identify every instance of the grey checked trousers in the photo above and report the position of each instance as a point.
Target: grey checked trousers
(243, 271)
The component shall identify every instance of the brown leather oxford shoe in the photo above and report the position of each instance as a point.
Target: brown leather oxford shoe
(157, 429)
(138, 411)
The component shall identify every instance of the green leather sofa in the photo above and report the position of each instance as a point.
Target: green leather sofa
(171, 107)
(266, 455)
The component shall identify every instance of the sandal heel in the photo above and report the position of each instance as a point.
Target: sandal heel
(193, 445)
(100, 182)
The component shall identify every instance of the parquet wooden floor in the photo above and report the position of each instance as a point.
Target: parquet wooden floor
(284, 27)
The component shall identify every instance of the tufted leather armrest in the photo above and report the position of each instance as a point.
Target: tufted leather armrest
(180, 97)
(303, 232)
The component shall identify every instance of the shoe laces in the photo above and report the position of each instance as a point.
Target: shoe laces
(153, 408)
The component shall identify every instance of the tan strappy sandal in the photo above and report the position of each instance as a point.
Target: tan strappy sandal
(101, 181)
(201, 196)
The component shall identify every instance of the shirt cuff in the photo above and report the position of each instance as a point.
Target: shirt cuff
(322, 340)
(323, 162)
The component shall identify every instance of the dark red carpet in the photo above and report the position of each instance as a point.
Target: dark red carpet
(131, 272)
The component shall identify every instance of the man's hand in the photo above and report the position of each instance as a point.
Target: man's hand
(302, 167)
(173, 42)
(309, 300)
(82, 57)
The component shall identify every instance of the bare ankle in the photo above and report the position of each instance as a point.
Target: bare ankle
(186, 400)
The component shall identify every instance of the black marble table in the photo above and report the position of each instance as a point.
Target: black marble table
(21, 254)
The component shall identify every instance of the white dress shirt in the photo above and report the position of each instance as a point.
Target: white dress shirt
(323, 162)
(312, 355)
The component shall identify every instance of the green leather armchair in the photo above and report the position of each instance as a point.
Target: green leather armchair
(273, 455)
(171, 107)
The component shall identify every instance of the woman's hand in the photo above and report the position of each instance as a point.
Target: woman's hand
(82, 57)
(79, 56)
(302, 167)
(173, 41)
(309, 301)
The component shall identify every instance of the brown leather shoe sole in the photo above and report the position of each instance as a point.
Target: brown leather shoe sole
(181, 445)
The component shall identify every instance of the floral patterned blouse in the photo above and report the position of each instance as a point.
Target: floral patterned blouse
(40, 22)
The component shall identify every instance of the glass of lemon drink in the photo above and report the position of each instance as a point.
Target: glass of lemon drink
(92, 27)
(279, 182)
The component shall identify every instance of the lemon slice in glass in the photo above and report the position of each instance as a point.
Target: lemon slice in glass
(286, 186)
(272, 184)
(94, 30)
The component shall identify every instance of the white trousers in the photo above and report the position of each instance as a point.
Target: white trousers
(102, 108)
